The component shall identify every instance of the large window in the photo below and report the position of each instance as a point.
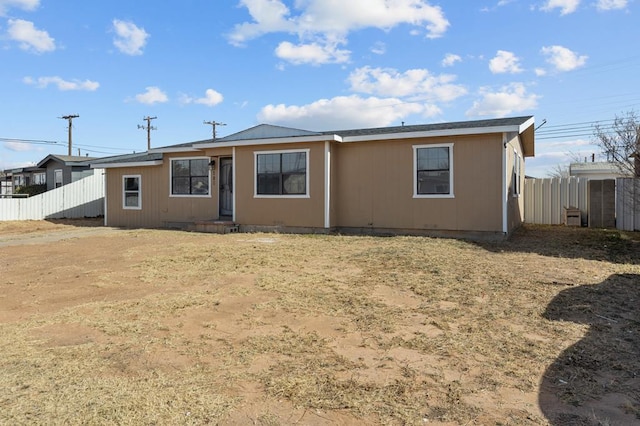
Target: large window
(131, 192)
(282, 173)
(433, 171)
(190, 176)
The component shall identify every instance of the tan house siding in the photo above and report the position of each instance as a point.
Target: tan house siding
(376, 186)
(290, 212)
(515, 203)
(159, 209)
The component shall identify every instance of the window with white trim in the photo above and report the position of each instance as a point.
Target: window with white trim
(190, 176)
(132, 192)
(433, 171)
(282, 173)
(517, 172)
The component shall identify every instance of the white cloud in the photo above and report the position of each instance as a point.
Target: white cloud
(343, 112)
(379, 48)
(211, 98)
(43, 82)
(505, 62)
(18, 146)
(566, 6)
(153, 95)
(508, 100)
(611, 4)
(450, 59)
(129, 39)
(415, 84)
(313, 53)
(333, 20)
(563, 59)
(29, 37)
(540, 72)
(5, 5)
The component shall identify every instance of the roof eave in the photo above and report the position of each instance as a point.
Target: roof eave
(272, 141)
(436, 133)
(125, 164)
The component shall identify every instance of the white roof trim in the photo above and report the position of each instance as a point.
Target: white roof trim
(524, 126)
(169, 150)
(133, 164)
(436, 133)
(272, 141)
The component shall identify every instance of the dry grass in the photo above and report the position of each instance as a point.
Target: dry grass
(163, 327)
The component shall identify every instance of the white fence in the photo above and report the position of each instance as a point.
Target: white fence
(628, 204)
(545, 199)
(83, 198)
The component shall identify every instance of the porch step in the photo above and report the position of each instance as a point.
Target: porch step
(216, 226)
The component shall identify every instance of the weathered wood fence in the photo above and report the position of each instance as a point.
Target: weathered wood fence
(82, 198)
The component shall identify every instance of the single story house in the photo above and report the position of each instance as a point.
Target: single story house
(63, 169)
(446, 179)
(23, 176)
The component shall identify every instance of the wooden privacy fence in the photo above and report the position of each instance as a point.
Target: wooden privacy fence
(545, 199)
(628, 204)
(82, 198)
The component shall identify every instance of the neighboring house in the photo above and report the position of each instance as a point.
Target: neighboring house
(6, 185)
(596, 171)
(63, 169)
(449, 179)
(20, 177)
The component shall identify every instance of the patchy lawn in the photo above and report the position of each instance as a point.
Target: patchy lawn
(169, 327)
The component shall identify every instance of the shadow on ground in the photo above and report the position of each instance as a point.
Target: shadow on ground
(608, 245)
(597, 380)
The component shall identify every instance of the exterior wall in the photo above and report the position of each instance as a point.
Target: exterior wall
(375, 182)
(515, 203)
(159, 209)
(279, 212)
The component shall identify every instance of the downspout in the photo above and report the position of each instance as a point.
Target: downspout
(505, 186)
(104, 183)
(327, 184)
(233, 183)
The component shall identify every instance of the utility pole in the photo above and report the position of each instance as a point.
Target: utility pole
(148, 128)
(70, 119)
(213, 124)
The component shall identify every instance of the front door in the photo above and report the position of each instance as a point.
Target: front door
(226, 187)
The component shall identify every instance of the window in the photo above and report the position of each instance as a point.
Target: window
(517, 171)
(190, 176)
(57, 178)
(433, 171)
(282, 174)
(39, 178)
(131, 192)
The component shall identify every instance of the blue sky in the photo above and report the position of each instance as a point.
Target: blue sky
(310, 64)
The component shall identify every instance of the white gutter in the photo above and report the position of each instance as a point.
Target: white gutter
(233, 185)
(119, 165)
(270, 141)
(435, 133)
(327, 185)
(505, 185)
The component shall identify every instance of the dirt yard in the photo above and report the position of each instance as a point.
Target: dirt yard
(108, 326)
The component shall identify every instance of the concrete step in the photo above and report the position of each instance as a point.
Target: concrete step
(215, 226)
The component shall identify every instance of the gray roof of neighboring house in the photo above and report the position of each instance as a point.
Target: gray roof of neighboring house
(67, 160)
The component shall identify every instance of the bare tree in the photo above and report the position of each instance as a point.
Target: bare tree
(563, 170)
(620, 142)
